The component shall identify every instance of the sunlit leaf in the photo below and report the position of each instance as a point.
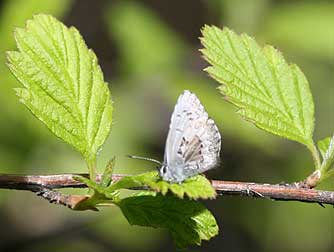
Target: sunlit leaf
(269, 92)
(326, 147)
(91, 184)
(323, 146)
(62, 82)
(107, 174)
(194, 187)
(188, 221)
(134, 181)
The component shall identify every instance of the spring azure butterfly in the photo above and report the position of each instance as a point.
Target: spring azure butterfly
(193, 141)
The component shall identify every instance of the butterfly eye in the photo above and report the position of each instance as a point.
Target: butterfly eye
(164, 169)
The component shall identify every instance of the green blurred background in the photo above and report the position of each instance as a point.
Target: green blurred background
(148, 51)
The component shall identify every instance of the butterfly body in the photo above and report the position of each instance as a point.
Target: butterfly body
(193, 141)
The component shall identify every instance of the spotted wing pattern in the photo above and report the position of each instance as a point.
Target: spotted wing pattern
(193, 142)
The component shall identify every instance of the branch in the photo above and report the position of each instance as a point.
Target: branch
(43, 185)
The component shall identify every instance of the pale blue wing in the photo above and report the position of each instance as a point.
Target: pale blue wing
(193, 141)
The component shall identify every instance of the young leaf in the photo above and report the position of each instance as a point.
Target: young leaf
(326, 147)
(107, 174)
(91, 184)
(269, 92)
(195, 187)
(99, 196)
(139, 180)
(62, 83)
(188, 221)
(323, 146)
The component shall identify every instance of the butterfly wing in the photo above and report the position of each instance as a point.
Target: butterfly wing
(193, 141)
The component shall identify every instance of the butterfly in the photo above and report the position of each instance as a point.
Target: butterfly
(193, 141)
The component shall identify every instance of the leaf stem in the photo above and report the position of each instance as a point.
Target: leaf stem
(91, 163)
(315, 156)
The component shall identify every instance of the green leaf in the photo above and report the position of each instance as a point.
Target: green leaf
(188, 221)
(323, 146)
(269, 92)
(195, 187)
(107, 174)
(326, 147)
(129, 182)
(99, 196)
(62, 83)
(91, 184)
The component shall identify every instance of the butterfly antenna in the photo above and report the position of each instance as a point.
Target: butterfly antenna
(145, 158)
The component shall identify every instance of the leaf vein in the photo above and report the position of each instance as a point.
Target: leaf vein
(234, 64)
(46, 70)
(90, 94)
(280, 92)
(23, 76)
(242, 90)
(55, 58)
(300, 103)
(254, 84)
(100, 119)
(78, 71)
(260, 81)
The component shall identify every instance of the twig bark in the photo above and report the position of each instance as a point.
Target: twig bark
(44, 186)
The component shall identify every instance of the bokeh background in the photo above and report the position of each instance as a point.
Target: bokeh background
(148, 51)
